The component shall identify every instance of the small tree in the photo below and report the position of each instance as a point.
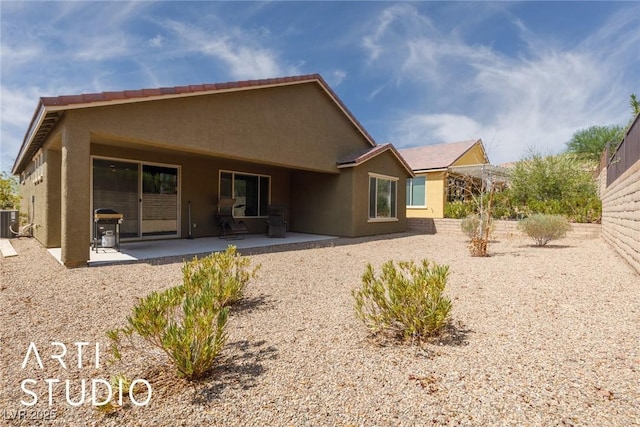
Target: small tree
(9, 198)
(479, 187)
(635, 105)
(558, 185)
(589, 143)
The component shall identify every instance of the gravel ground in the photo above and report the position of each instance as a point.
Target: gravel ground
(540, 336)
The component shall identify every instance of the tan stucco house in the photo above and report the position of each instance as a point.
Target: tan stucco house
(149, 154)
(432, 164)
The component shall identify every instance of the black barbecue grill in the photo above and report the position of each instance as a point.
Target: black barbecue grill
(103, 219)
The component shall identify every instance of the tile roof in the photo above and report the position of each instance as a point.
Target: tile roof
(436, 156)
(49, 109)
(141, 94)
(362, 156)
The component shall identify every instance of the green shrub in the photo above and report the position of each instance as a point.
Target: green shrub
(503, 207)
(407, 301)
(471, 226)
(187, 322)
(227, 272)
(544, 228)
(459, 209)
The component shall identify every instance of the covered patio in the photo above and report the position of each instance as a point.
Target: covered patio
(152, 249)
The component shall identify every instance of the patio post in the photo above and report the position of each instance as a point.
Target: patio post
(75, 203)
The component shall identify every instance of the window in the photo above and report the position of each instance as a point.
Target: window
(38, 161)
(250, 191)
(382, 197)
(416, 192)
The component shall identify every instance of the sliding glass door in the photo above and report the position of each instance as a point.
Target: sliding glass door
(159, 200)
(146, 194)
(115, 186)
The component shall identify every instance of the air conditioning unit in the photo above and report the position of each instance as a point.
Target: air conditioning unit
(8, 219)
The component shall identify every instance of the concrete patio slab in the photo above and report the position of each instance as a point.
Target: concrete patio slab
(150, 249)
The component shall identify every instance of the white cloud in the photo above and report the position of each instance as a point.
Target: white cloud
(442, 127)
(337, 77)
(156, 41)
(16, 109)
(245, 57)
(101, 47)
(538, 99)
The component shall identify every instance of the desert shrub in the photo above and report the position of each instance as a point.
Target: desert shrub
(544, 228)
(459, 209)
(227, 272)
(187, 322)
(407, 301)
(471, 226)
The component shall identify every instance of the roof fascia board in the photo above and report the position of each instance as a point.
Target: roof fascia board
(36, 122)
(430, 170)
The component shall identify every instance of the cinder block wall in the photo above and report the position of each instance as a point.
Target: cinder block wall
(621, 215)
(501, 229)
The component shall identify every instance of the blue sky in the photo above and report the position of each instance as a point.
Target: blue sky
(519, 75)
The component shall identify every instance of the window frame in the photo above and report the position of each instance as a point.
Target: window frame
(394, 207)
(233, 190)
(410, 193)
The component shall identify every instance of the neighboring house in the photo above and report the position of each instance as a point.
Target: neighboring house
(150, 153)
(427, 191)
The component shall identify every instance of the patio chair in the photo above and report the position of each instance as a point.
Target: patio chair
(276, 224)
(229, 227)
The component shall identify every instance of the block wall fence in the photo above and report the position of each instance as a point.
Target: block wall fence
(621, 214)
(501, 229)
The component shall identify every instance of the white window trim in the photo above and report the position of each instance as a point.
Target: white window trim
(233, 173)
(425, 196)
(388, 178)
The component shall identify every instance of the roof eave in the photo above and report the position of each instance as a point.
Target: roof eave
(387, 147)
(37, 119)
(442, 169)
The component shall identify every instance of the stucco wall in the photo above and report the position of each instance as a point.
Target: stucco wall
(621, 215)
(473, 156)
(435, 197)
(321, 203)
(384, 164)
(291, 126)
(338, 204)
(40, 199)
